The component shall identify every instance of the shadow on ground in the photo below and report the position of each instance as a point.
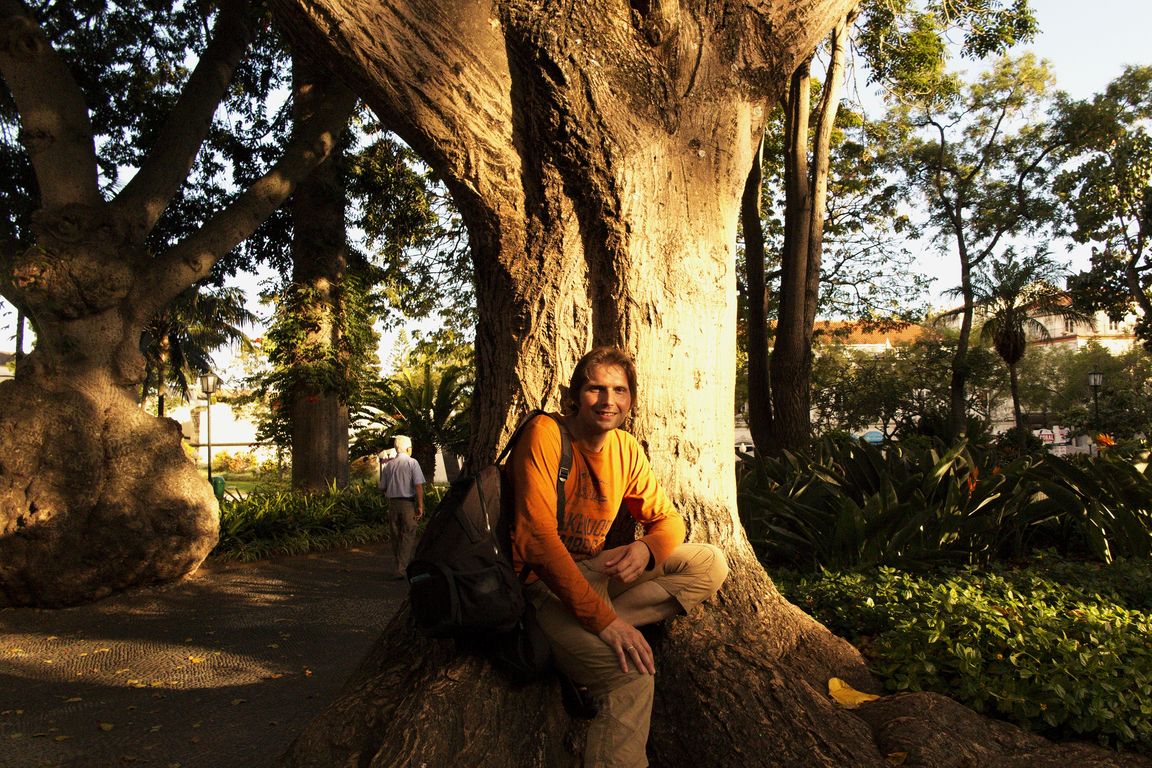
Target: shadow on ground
(220, 670)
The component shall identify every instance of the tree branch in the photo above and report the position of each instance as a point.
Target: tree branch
(171, 158)
(54, 125)
(192, 260)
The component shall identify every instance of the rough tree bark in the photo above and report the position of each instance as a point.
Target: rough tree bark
(96, 495)
(597, 151)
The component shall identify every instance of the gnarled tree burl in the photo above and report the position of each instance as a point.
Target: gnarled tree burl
(95, 494)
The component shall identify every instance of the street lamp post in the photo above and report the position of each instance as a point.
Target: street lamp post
(209, 382)
(1095, 381)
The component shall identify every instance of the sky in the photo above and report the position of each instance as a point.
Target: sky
(1088, 44)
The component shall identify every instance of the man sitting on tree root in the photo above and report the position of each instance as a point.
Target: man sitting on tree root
(589, 600)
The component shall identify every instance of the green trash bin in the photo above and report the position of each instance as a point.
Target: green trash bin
(218, 487)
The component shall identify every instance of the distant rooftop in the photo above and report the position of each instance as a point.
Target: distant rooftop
(855, 334)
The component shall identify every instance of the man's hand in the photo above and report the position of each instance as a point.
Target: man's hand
(629, 644)
(628, 562)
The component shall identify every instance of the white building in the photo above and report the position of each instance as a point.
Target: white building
(1116, 336)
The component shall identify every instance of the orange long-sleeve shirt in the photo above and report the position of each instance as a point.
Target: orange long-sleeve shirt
(598, 485)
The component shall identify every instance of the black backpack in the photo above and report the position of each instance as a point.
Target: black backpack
(461, 580)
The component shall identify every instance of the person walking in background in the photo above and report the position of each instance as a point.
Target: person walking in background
(402, 481)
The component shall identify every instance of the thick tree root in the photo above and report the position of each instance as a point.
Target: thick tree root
(742, 682)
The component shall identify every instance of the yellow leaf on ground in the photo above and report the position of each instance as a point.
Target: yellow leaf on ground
(73, 700)
(847, 696)
(196, 659)
(106, 727)
(61, 738)
(896, 758)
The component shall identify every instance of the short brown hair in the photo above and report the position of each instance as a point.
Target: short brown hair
(599, 356)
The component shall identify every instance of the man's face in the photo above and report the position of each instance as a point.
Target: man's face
(604, 400)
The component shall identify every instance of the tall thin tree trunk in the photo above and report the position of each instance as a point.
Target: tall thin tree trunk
(1018, 414)
(791, 351)
(806, 206)
(19, 355)
(957, 390)
(760, 420)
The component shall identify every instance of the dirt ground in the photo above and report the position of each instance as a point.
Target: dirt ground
(220, 670)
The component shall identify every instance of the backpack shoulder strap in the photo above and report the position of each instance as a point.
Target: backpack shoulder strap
(565, 467)
(562, 471)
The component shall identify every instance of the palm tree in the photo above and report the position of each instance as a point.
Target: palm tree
(1012, 294)
(178, 343)
(430, 406)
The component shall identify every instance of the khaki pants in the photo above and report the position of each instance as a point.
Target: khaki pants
(617, 737)
(402, 524)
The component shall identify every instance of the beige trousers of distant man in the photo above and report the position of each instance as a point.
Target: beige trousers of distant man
(617, 737)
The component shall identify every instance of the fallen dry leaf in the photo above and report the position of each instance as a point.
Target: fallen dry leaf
(106, 727)
(847, 696)
(896, 758)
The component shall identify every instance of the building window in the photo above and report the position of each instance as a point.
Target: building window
(1069, 325)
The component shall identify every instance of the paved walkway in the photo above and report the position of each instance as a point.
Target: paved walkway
(220, 670)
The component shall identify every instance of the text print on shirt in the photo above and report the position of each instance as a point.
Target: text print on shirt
(583, 536)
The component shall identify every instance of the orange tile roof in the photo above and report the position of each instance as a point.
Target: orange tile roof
(849, 333)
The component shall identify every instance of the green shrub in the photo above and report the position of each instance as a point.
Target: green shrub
(274, 467)
(1035, 646)
(1102, 506)
(846, 504)
(270, 522)
(234, 463)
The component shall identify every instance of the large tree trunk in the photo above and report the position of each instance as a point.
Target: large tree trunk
(319, 408)
(597, 151)
(96, 495)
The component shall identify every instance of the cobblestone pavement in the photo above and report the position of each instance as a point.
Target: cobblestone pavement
(220, 670)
